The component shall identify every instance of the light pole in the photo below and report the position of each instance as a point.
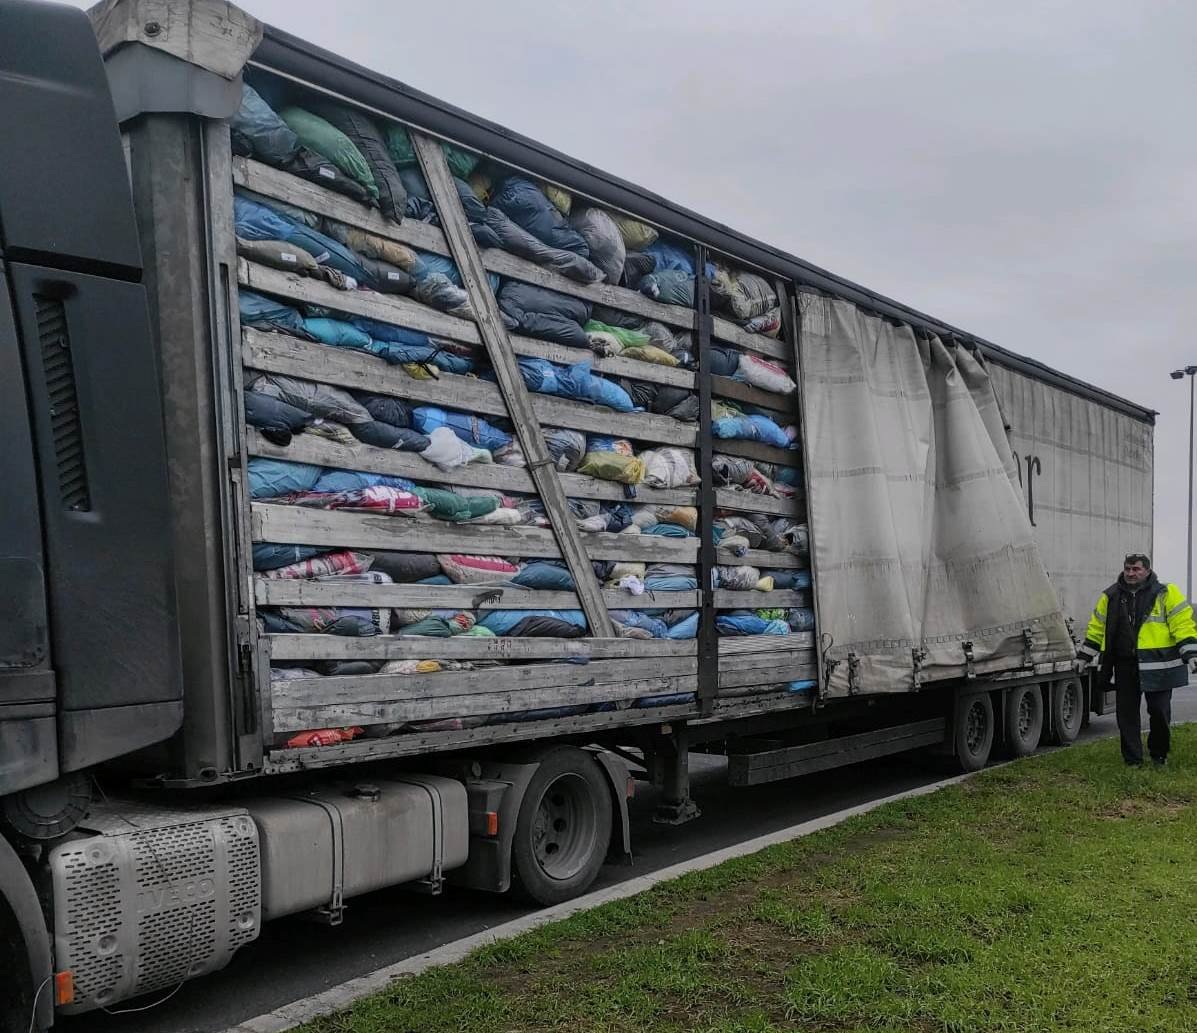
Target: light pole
(1177, 374)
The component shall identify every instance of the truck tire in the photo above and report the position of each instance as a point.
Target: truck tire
(563, 829)
(1068, 711)
(974, 731)
(1024, 720)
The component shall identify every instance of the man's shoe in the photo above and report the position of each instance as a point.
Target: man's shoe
(1159, 762)
(1133, 763)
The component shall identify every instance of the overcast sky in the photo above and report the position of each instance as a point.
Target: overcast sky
(1025, 171)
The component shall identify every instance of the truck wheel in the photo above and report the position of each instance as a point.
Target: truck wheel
(1024, 720)
(1068, 711)
(563, 829)
(974, 731)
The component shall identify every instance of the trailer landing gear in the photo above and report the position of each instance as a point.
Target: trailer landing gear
(670, 766)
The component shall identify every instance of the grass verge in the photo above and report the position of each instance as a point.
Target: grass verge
(1059, 893)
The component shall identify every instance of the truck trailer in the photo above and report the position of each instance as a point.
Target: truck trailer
(388, 492)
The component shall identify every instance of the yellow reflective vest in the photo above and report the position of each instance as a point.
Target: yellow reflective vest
(1167, 637)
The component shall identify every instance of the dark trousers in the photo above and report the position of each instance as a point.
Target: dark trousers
(1130, 727)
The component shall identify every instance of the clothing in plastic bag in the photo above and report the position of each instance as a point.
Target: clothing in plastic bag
(256, 130)
(318, 135)
(405, 567)
(545, 576)
(370, 245)
(744, 622)
(255, 221)
(744, 295)
(461, 163)
(448, 505)
(270, 478)
(611, 466)
(386, 408)
(277, 420)
(446, 450)
(473, 430)
(392, 197)
(527, 206)
(637, 236)
(669, 286)
(332, 403)
(376, 498)
(267, 314)
(669, 467)
(277, 254)
(602, 236)
(750, 428)
(328, 565)
(332, 480)
(636, 266)
(762, 373)
(504, 622)
(543, 313)
(465, 569)
(385, 435)
(565, 446)
(270, 556)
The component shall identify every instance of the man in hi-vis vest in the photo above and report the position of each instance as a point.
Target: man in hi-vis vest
(1143, 631)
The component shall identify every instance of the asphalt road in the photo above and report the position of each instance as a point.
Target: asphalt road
(293, 958)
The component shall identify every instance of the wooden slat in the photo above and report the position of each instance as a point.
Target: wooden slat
(387, 308)
(784, 653)
(764, 559)
(294, 719)
(728, 333)
(311, 448)
(414, 743)
(511, 382)
(299, 525)
(740, 501)
(262, 179)
(380, 688)
(290, 356)
(759, 451)
(727, 600)
(746, 393)
(746, 652)
(773, 675)
(747, 645)
(467, 647)
(342, 592)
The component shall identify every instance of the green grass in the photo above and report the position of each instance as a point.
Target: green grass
(1059, 893)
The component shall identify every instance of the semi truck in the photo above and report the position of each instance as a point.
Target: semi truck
(387, 492)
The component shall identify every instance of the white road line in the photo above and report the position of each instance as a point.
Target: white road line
(341, 997)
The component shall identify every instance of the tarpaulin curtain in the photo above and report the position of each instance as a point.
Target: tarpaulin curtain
(919, 534)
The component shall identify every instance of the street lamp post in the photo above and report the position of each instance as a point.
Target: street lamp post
(1177, 374)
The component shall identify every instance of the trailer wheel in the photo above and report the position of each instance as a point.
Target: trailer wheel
(974, 731)
(1024, 720)
(563, 829)
(1068, 711)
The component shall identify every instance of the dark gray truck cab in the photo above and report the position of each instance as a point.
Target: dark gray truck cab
(89, 666)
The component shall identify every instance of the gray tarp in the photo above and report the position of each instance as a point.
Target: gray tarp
(918, 529)
(1086, 475)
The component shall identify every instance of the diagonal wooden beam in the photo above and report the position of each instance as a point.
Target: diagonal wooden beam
(511, 383)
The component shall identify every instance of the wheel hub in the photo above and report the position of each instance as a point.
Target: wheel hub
(564, 828)
(976, 726)
(1025, 713)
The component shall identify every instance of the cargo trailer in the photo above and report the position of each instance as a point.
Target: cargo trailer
(393, 491)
